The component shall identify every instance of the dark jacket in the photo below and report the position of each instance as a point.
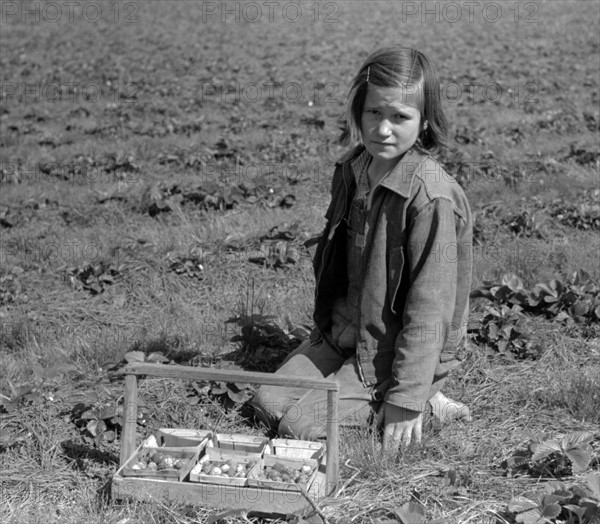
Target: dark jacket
(416, 275)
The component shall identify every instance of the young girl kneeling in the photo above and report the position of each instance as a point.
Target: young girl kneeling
(392, 268)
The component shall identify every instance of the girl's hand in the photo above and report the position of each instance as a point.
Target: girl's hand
(401, 427)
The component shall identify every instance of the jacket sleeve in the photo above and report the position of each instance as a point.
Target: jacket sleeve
(430, 300)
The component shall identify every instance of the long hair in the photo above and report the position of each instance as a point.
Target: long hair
(404, 67)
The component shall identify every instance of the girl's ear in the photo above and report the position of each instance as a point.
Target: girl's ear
(423, 136)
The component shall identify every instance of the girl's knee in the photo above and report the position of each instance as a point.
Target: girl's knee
(300, 429)
(266, 405)
(300, 421)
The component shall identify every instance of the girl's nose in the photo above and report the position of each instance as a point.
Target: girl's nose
(384, 128)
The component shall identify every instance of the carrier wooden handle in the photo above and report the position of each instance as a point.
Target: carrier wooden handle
(132, 370)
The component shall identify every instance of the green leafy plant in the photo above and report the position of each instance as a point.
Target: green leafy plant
(11, 290)
(283, 231)
(553, 457)
(557, 454)
(101, 423)
(264, 342)
(41, 387)
(584, 155)
(155, 357)
(409, 513)
(190, 266)
(93, 277)
(228, 394)
(524, 225)
(276, 254)
(577, 297)
(214, 195)
(582, 212)
(507, 331)
(560, 503)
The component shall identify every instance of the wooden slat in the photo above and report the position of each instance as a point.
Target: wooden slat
(332, 440)
(261, 500)
(130, 408)
(243, 377)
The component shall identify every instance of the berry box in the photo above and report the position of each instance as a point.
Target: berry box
(284, 473)
(160, 463)
(239, 444)
(178, 438)
(297, 449)
(219, 467)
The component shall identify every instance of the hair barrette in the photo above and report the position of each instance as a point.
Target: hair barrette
(368, 73)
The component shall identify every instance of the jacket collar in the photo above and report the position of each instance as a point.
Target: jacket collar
(350, 155)
(400, 178)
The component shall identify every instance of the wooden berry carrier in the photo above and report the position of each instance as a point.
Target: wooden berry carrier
(256, 495)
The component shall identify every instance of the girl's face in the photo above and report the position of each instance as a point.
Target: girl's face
(390, 123)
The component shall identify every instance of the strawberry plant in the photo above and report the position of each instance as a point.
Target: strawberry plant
(582, 214)
(524, 224)
(552, 457)
(93, 277)
(101, 423)
(285, 231)
(11, 289)
(228, 394)
(190, 266)
(89, 169)
(214, 195)
(43, 386)
(264, 343)
(583, 155)
(486, 220)
(507, 331)
(136, 356)
(412, 512)
(560, 503)
(276, 254)
(576, 298)
(571, 452)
